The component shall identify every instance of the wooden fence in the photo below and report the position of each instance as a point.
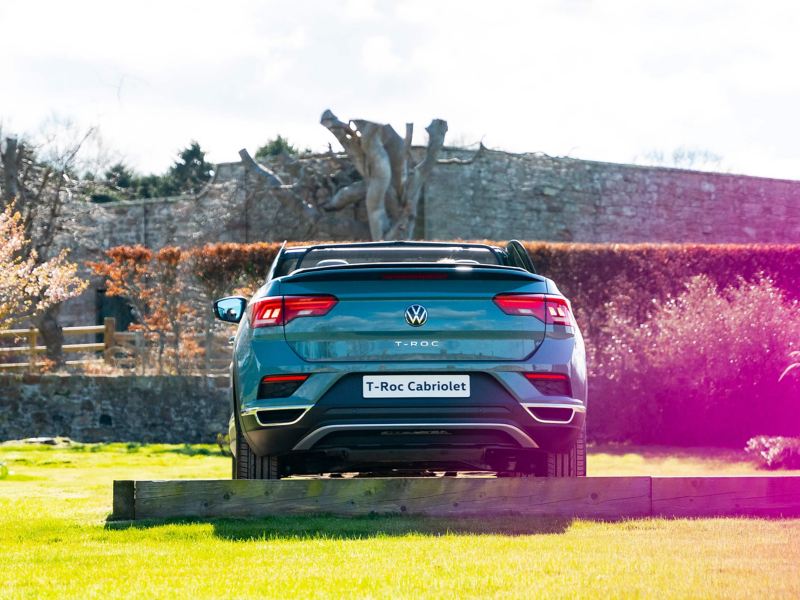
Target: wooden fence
(128, 350)
(113, 341)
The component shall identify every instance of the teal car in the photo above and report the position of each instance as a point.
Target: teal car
(406, 357)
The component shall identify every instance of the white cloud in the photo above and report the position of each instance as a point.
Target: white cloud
(360, 10)
(606, 81)
(378, 56)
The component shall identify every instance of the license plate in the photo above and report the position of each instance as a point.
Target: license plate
(416, 386)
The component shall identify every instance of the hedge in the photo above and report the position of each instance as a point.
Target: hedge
(630, 279)
(589, 274)
(592, 274)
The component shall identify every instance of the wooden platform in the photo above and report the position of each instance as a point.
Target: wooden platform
(591, 497)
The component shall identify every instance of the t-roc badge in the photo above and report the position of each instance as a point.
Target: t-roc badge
(416, 315)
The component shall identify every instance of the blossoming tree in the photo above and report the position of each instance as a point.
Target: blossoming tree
(28, 286)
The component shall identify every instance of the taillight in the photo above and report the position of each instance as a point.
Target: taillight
(307, 306)
(553, 310)
(266, 312)
(280, 386)
(550, 384)
(279, 310)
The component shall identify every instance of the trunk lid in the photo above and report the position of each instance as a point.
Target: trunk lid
(458, 319)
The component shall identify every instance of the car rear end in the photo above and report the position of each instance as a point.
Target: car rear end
(437, 366)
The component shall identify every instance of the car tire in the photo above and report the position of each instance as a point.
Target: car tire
(569, 464)
(248, 465)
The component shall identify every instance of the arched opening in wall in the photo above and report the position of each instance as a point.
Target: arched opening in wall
(117, 307)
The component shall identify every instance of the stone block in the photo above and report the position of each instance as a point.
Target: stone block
(103, 409)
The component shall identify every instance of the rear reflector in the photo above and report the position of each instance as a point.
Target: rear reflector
(279, 386)
(550, 384)
(279, 310)
(552, 310)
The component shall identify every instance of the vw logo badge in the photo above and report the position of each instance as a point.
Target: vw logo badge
(416, 315)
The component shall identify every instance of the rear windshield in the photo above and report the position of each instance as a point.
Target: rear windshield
(369, 255)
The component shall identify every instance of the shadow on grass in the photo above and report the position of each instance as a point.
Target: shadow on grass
(361, 527)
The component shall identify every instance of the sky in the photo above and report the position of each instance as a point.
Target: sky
(612, 81)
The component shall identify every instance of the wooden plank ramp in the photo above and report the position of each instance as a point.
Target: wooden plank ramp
(590, 497)
(726, 496)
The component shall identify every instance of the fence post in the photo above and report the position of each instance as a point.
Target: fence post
(110, 326)
(141, 353)
(32, 334)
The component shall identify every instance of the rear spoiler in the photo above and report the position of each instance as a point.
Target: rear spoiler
(410, 272)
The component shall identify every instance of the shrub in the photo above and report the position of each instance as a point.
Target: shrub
(280, 145)
(220, 268)
(155, 283)
(775, 452)
(591, 275)
(634, 276)
(704, 368)
(632, 302)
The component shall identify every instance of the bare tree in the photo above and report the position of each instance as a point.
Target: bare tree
(390, 181)
(45, 190)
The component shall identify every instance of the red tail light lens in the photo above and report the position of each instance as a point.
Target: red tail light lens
(558, 311)
(279, 310)
(307, 306)
(530, 305)
(266, 312)
(283, 378)
(550, 384)
(280, 386)
(548, 309)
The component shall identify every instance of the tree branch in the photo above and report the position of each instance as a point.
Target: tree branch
(10, 160)
(404, 227)
(268, 176)
(285, 193)
(351, 194)
(347, 138)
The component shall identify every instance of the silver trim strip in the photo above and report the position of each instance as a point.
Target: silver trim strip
(254, 412)
(575, 409)
(522, 438)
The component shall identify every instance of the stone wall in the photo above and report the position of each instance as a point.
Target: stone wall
(106, 409)
(492, 195)
(535, 197)
(498, 195)
(235, 207)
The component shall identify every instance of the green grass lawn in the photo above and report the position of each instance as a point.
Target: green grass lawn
(55, 542)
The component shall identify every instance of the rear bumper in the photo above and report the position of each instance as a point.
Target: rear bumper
(343, 430)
